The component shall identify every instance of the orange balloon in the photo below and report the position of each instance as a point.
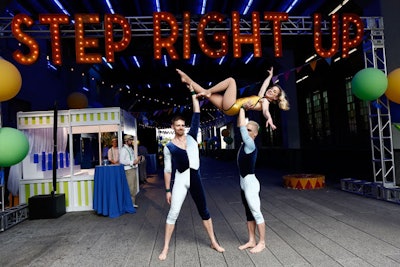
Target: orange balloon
(393, 90)
(77, 100)
(225, 132)
(10, 80)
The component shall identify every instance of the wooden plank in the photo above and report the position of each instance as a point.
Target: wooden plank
(326, 227)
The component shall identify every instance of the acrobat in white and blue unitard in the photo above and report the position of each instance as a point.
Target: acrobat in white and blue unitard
(249, 184)
(187, 177)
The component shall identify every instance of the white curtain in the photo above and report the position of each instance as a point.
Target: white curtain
(40, 140)
(13, 179)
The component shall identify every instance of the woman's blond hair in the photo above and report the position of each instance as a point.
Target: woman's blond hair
(282, 101)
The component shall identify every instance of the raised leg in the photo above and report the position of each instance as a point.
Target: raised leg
(229, 89)
(190, 84)
(228, 86)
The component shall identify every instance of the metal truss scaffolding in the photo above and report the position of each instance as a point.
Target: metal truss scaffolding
(12, 216)
(384, 185)
(379, 110)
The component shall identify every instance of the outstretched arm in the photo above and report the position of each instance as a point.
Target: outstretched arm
(241, 118)
(249, 144)
(266, 82)
(196, 104)
(195, 124)
(267, 114)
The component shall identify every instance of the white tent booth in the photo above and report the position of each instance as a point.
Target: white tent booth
(79, 131)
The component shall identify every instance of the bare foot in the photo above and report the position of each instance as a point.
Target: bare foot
(217, 247)
(185, 79)
(163, 254)
(204, 94)
(260, 247)
(249, 244)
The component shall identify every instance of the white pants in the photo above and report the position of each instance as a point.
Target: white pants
(187, 180)
(251, 187)
(179, 192)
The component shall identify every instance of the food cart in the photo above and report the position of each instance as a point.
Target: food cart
(79, 131)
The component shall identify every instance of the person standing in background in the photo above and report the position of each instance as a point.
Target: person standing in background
(113, 152)
(142, 152)
(128, 159)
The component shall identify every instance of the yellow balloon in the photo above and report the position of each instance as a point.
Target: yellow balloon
(393, 90)
(77, 100)
(10, 80)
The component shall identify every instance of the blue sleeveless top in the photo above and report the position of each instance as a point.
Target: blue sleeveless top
(246, 161)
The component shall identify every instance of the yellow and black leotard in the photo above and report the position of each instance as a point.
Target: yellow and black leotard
(234, 109)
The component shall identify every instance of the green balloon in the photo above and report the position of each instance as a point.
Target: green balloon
(14, 146)
(369, 84)
(228, 140)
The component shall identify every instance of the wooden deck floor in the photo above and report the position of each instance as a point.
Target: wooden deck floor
(325, 227)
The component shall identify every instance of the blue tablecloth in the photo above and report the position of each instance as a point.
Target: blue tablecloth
(151, 163)
(111, 195)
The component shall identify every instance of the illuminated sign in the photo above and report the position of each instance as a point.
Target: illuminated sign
(351, 31)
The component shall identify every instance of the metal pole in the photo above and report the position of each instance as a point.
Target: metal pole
(55, 150)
